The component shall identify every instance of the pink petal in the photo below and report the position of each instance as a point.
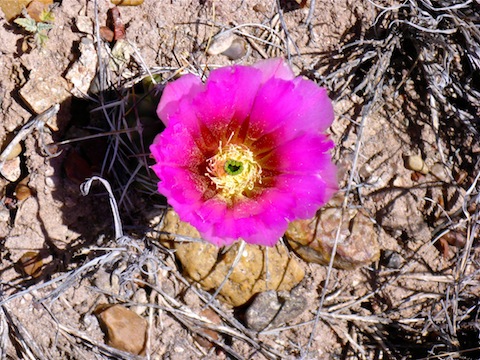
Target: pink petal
(310, 191)
(170, 147)
(280, 117)
(304, 154)
(180, 186)
(186, 86)
(289, 108)
(263, 225)
(315, 107)
(274, 68)
(228, 98)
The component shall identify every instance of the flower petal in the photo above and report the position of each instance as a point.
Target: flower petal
(227, 101)
(274, 68)
(176, 146)
(289, 108)
(185, 87)
(310, 191)
(305, 154)
(180, 186)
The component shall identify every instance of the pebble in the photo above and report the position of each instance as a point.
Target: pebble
(220, 43)
(273, 309)
(439, 171)
(11, 169)
(121, 55)
(392, 259)
(313, 239)
(84, 24)
(16, 150)
(416, 163)
(127, 2)
(140, 297)
(215, 319)
(124, 329)
(236, 50)
(22, 191)
(106, 34)
(12, 9)
(36, 7)
(263, 310)
(50, 182)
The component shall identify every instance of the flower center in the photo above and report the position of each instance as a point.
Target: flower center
(233, 170)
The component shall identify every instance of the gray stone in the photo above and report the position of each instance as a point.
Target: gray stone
(272, 309)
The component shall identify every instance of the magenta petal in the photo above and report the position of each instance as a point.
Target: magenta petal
(229, 95)
(303, 155)
(169, 147)
(288, 108)
(310, 191)
(185, 87)
(274, 68)
(261, 225)
(316, 107)
(179, 185)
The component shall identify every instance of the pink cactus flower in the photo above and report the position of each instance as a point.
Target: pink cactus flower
(245, 152)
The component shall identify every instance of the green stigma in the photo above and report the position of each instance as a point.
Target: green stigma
(233, 167)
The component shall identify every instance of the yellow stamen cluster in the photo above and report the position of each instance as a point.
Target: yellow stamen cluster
(233, 170)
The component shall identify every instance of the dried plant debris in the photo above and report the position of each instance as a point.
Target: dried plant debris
(420, 59)
(432, 45)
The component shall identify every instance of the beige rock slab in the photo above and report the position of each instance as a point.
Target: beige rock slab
(41, 93)
(205, 264)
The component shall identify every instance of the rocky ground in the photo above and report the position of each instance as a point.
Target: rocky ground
(81, 280)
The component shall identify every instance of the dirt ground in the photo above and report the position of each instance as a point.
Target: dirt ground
(420, 300)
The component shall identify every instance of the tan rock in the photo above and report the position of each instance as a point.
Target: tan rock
(201, 263)
(124, 329)
(220, 43)
(41, 93)
(416, 163)
(313, 239)
(11, 169)
(13, 8)
(16, 150)
(22, 191)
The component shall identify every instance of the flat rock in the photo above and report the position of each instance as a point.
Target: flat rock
(205, 264)
(273, 309)
(41, 93)
(124, 329)
(313, 239)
